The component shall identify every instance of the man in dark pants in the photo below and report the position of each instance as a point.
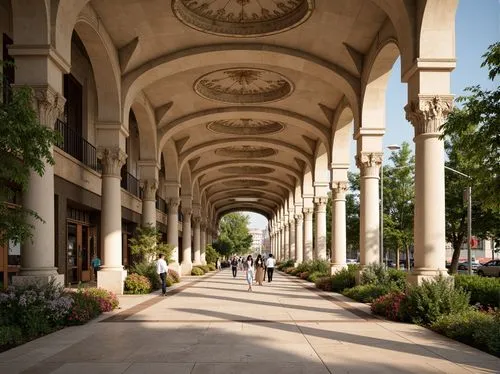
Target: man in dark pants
(270, 263)
(162, 270)
(234, 266)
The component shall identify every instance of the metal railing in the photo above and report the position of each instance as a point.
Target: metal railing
(75, 145)
(130, 183)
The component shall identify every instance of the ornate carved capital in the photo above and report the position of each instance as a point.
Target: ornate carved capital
(428, 113)
(299, 217)
(339, 190)
(112, 160)
(173, 204)
(48, 104)
(149, 188)
(187, 212)
(197, 221)
(308, 212)
(369, 163)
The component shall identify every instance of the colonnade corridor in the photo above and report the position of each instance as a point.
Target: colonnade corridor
(214, 325)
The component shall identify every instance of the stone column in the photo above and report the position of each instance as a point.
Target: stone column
(299, 238)
(286, 238)
(197, 240)
(149, 187)
(308, 233)
(338, 249)
(203, 243)
(369, 219)
(37, 260)
(291, 245)
(187, 263)
(427, 114)
(111, 275)
(173, 230)
(278, 244)
(320, 250)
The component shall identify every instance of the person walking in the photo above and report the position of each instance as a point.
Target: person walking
(96, 264)
(259, 270)
(248, 265)
(234, 266)
(270, 263)
(162, 270)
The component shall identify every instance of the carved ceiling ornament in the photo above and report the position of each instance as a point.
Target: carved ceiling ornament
(428, 113)
(245, 152)
(242, 18)
(246, 170)
(245, 126)
(246, 183)
(243, 86)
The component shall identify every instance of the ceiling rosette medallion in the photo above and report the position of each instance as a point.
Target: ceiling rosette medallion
(246, 183)
(246, 170)
(245, 151)
(243, 86)
(242, 18)
(245, 126)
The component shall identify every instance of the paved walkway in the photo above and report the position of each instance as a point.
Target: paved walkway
(213, 325)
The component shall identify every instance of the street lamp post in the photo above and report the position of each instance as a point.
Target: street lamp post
(392, 147)
(468, 197)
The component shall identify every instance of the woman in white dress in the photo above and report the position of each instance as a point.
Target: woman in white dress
(249, 271)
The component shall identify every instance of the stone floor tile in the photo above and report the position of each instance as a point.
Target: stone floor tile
(252, 367)
(159, 368)
(94, 368)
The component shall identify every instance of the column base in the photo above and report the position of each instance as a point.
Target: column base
(30, 276)
(417, 276)
(112, 280)
(335, 268)
(186, 268)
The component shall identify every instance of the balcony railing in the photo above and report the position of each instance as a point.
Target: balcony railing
(130, 183)
(75, 145)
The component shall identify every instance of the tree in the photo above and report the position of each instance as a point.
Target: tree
(234, 237)
(146, 245)
(25, 147)
(352, 214)
(399, 194)
(211, 255)
(476, 127)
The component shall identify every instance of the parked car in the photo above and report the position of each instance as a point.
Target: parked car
(490, 269)
(465, 265)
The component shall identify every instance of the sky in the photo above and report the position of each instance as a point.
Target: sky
(477, 27)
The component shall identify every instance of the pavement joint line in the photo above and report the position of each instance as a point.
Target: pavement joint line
(314, 349)
(291, 321)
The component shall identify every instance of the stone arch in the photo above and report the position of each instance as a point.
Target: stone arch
(145, 117)
(321, 164)
(298, 194)
(231, 53)
(23, 12)
(196, 193)
(277, 144)
(279, 182)
(437, 25)
(307, 182)
(171, 162)
(104, 59)
(186, 182)
(341, 135)
(278, 198)
(260, 113)
(262, 202)
(226, 210)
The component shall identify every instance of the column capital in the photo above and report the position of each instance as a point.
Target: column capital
(428, 113)
(48, 103)
(321, 200)
(173, 204)
(149, 188)
(299, 217)
(308, 212)
(369, 163)
(339, 189)
(112, 160)
(187, 211)
(196, 221)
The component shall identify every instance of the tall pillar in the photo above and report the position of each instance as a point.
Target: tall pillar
(197, 240)
(308, 233)
(111, 274)
(338, 249)
(299, 237)
(187, 263)
(37, 260)
(149, 188)
(286, 238)
(320, 250)
(369, 237)
(427, 114)
(203, 243)
(173, 231)
(291, 241)
(278, 244)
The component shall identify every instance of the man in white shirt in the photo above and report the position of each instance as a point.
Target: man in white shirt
(162, 270)
(270, 263)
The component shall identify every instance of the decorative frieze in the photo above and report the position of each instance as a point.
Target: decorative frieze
(369, 163)
(48, 104)
(112, 160)
(428, 113)
(149, 188)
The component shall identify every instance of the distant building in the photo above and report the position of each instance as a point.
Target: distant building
(482, 251)
(257, 239)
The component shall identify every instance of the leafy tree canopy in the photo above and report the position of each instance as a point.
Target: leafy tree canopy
(234, 237)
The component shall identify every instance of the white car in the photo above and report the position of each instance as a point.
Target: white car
(490, 269)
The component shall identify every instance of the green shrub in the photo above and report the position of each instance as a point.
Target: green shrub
(379, 274)
(148, 270)
(295, 271)
(137, 284)
(10, 335)
(304, 275)
(107, 299)
(425, 303)
(205, 268)
(324, 283)
(286, 264)
(211, 255)
(197, 271)
(85, 307)
(169, 281)
(473, 327)
(389, 305)
(316, 275)
(211, 267)
(484, 291)
(321, 266)
(289, 269)
(176, 278)
(303, 266)
(345, 278)
(366, 293)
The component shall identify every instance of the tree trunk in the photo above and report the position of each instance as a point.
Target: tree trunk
(408, 262)
(397, 258)
(457, 245)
